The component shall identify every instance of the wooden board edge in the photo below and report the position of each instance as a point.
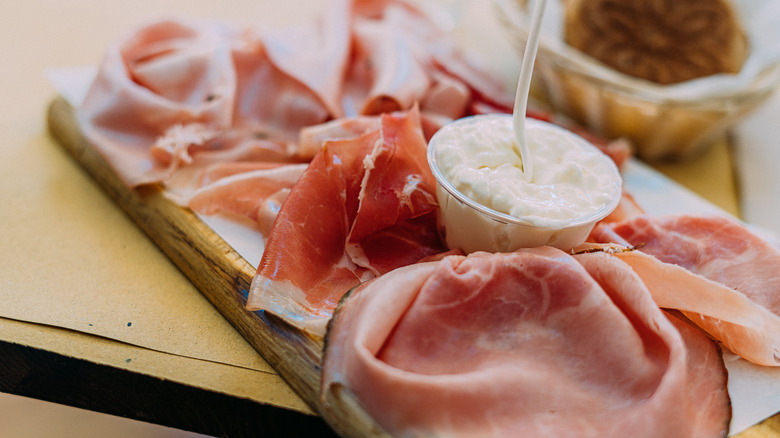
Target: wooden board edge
(216, 270)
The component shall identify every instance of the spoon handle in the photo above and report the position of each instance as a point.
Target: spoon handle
(523, 88)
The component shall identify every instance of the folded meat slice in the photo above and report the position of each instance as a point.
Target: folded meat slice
(521, 344)
(269, 102)
(311, 138)
(387, 74)
(325, 43)
(712, 246)
(244, 193)
(364, 206)
(707, 409)
(740, 324)
(170, 81)
(396, 213)
(304, 268)
(717, 248)
(401, 57)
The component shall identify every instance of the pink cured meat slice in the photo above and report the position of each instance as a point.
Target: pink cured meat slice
(627, 209)
(304, 268)
(397, 199)
(165, 75)
(725, 252)
(714, 247)
(176, 96)
(363, 207)
(269, 102)
(521, 344)
(244, 192)
(311, 138)
(741, 325)
(218, 171)
(324, 43)
(401, 58)
(389, 74)
(707, 409)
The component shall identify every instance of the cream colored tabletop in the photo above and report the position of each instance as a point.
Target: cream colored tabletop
(77, 277)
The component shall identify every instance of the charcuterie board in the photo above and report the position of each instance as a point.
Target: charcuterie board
(223, 275)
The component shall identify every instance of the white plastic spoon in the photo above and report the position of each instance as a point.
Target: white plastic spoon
(523, 88)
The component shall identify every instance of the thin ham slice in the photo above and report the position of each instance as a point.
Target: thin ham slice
(324, 43)
(169, 79)
(269, 102)
(741, 325)
(740, 302)
(401, 58)
(221, 170)
(522, 344)
(311, 138)
(396, 199)
(447, 97)
(387, 75)
(229, 152)
(712, 246)
(364, 206)
(626, 209)
(244, 193)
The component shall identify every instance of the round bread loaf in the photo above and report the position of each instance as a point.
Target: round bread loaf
(663, 41)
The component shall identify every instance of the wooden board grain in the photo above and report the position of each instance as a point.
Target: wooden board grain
(224, 277)
(217, 270)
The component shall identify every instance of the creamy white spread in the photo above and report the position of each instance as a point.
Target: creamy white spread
(571, 178)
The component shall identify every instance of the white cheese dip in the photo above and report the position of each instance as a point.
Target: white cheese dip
(483, 192)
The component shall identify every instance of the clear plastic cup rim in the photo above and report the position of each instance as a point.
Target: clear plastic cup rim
(527, 222)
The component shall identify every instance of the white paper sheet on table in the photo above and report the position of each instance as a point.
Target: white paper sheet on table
(757, 156)
(754, 390)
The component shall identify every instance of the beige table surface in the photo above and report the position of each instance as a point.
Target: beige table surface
(77, 278)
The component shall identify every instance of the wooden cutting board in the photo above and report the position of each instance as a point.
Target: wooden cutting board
(224, 277)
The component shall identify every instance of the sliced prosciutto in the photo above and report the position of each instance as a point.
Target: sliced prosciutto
(316, 54)
(741, 325)
(174, 90)
(311, 138)
(244, 192)
(724, 252)
(396, 214)
(521, 344)
(364, 206)
(712, 246)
